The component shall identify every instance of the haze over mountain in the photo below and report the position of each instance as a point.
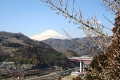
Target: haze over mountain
(48, 34)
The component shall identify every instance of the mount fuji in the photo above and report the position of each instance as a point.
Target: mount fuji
(48, 34)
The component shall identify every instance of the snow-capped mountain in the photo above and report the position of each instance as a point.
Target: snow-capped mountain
(48, 34)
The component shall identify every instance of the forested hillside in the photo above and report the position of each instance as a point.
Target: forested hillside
(21, 49)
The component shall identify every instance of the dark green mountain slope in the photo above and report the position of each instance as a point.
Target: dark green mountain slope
(21, 49)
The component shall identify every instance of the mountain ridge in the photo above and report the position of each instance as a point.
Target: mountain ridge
(64, 45)
(18, 47)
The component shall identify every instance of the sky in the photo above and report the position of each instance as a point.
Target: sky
(32, 17)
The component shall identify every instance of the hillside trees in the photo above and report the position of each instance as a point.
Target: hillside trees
(3, 56)
(91, 27)
(40, 57)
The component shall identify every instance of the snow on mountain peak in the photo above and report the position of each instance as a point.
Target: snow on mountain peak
(48, 34)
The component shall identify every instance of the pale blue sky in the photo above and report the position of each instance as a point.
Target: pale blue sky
(32, 17)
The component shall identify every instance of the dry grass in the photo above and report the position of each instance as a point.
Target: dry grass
(69, 77)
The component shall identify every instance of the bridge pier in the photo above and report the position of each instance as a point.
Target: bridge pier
(80, 66)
